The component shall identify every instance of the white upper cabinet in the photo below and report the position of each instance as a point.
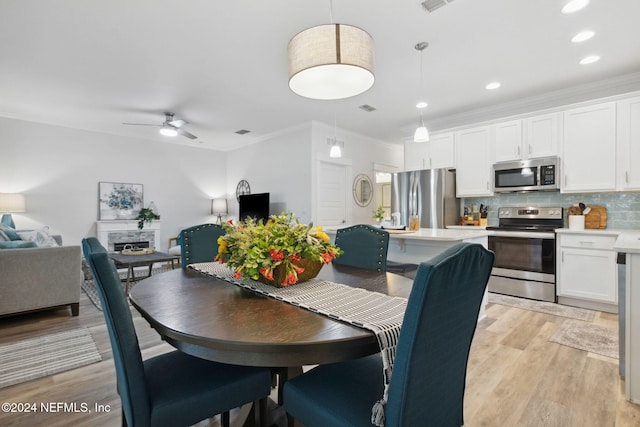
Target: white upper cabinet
(629, 144)
(589, 149)
(474, 162)
(541, 135)
(529, 138)
(415, 155)
(439, 152)
(508, 141)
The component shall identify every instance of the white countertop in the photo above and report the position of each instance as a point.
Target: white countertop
(604, 232)
(442, 234)
(628, 242)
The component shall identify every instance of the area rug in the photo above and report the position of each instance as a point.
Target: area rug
(46, 355)
(543, 307)
(588, 337)
(89, 287)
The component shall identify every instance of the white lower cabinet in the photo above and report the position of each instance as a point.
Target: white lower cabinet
(586, 271)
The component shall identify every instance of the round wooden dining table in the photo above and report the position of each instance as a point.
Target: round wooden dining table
(216, 320)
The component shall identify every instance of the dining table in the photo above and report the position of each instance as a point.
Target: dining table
(214, 319)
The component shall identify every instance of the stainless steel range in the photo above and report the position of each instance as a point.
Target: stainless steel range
(524, 245)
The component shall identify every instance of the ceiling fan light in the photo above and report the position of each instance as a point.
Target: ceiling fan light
(332, 61)
(421, 134)
(168, 131)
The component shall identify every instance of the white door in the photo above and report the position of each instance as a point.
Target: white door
(332, 193)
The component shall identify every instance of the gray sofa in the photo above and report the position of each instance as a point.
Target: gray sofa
(40, 278)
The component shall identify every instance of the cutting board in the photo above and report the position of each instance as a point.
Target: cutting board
(597, 218)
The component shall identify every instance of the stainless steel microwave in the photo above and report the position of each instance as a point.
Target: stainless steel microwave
(527, 175)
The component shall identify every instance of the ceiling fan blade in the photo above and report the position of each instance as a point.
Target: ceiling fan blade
(185, 133)
(177, 123)
(140, 124)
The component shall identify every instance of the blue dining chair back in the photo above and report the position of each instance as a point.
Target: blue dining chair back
(428, 380)
(364, 246)
(172, 388)
(199, 243)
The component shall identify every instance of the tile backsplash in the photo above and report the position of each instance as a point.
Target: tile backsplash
(623, 209)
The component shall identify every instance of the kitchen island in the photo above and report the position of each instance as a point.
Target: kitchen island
(629, 243)
(418, 246)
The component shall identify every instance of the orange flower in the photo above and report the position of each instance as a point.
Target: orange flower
(295, 257)
(327, 257)
(290, 279)
(268, 274)
(276, 255)
(298, 269)
(237, 275)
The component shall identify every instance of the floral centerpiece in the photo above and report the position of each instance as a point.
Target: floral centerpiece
(280, 252)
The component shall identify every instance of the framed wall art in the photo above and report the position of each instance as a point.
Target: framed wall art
(118, 200)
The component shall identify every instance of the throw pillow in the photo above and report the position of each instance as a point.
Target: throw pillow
(4, 237)
(40, 237)
(9, 232)
(18, 244)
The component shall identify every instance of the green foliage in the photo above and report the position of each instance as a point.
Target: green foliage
(252, 248)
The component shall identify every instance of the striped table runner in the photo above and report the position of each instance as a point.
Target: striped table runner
(379, 313)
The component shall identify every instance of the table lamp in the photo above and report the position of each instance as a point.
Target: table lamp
(10, 203)
(219, 207)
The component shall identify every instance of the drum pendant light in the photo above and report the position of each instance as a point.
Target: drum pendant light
(332, 61)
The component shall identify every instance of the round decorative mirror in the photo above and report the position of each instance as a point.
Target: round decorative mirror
(362, 190)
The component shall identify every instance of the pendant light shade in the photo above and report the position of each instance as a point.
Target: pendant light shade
(335, 152)
(421, 134)
(332, 61)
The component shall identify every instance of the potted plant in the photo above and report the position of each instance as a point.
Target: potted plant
(280, 252)
(146, 215)
(378, 214)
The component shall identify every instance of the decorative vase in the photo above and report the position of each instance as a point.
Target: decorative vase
(123, 213)
(311, 270)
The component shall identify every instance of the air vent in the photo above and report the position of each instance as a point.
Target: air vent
(367, 108)
(242, 131)
(431, 5)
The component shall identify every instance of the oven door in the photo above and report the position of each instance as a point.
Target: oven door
(524, 266)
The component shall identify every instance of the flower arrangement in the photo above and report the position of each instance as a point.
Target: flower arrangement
(280, 252)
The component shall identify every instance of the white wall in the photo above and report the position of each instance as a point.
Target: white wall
(364, 155)
(58, 170)
(281, 166)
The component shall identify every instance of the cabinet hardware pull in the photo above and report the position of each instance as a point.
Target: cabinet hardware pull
(582, 242)
(529, 148)
(518, 151)
(626, 177)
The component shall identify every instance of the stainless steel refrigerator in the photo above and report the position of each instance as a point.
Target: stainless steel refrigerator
(430, 194)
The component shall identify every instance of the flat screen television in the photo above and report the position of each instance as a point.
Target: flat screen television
(254, 206)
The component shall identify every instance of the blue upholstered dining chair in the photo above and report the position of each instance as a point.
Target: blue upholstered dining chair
(199, 243)
(364, 246)
(172, 389)
(428, 378)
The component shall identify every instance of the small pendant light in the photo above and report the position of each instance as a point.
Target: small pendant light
(422, 133)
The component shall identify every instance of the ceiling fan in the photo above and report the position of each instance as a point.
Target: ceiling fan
(170, 127)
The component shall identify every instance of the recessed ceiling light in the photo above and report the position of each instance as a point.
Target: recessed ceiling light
(492, 86)
(582, 36)
(589, 59)
(421, 104)
(574, 6)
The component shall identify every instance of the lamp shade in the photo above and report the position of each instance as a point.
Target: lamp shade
(421, 134)
(219, 207)
(10, 202)
(332, 61)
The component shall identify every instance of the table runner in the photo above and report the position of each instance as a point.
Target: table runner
(379, 313)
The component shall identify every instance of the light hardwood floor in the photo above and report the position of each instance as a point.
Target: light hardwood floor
(515, 377)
